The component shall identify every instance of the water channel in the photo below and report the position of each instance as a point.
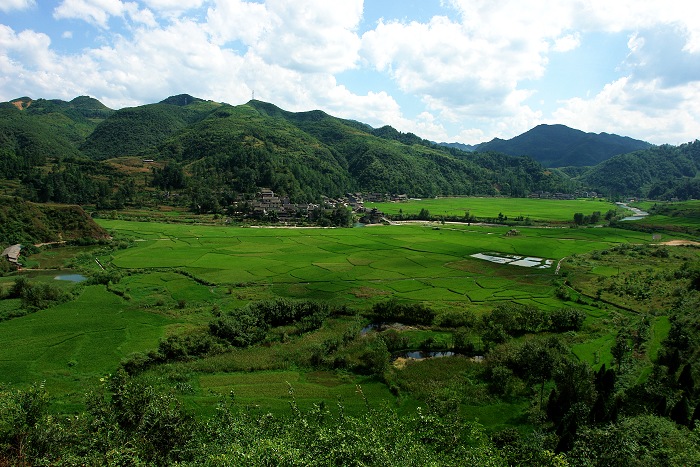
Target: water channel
(637, 213)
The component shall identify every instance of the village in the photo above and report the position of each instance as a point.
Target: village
(269, 206)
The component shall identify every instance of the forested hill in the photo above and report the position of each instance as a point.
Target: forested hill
(216, 149)
(662, 172)
(29, 223)
(66, 151)
(561, 146)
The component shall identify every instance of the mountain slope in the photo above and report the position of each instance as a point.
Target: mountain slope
(27, 142)
(133, 130)
(29, 223)
(655, 172)
(227, 152)
(307, 154)
(561, 146)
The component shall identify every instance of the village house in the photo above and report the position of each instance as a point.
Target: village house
(12, 254)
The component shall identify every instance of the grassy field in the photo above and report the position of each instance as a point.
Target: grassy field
(177, 276)
(362, 265)
(535, 209)
(70, 346)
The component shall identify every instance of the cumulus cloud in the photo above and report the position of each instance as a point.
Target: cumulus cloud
(237, 20)
(12, 5)
(312, 36)
(98, 12)
(567, 43)
(480, 65)
(661, 54)
(173, 6)
(640, 109)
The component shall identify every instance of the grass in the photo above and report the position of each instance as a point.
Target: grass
(409, 262)
(535, 209)
(59, 345)
(354, 267)
(273, 390)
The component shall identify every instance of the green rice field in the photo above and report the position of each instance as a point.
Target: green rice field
(535, 209)
(177, 275)
(352, 266)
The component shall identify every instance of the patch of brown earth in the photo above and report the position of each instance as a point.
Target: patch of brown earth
(680, 243)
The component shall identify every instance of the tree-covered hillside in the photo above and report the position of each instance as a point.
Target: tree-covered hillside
(133, 130)
(30, 223)
(561, 146)
(225, 151)
(57, 150)
(662, 172)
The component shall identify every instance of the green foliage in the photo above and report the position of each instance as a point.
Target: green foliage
(38, 296)
(641, 440)
(249, 325)
(23, 222)
(133, 130)
(560, 146)
(169, 177)
(566, 319)
(393, 311)
(23, 418)
(661, 172)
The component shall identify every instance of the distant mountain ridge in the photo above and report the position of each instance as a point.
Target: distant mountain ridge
(561, 146)
(461, 146)
(225, 151)
(69, 152)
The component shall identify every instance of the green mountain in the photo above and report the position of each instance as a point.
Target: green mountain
(66, 152)
(29, 223)
(133, 130)
(661, 172)
(561, 146)
(307, 154)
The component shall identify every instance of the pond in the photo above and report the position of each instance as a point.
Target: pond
(514, 260)
(423, 354)
(637, 213)
(71, 277)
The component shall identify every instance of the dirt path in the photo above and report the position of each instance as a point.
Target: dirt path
(680, 243)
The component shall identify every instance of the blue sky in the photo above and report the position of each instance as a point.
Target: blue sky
(447, 70)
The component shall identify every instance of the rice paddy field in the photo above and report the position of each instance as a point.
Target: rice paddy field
(361, 265)
(176, 276)
(536, 209)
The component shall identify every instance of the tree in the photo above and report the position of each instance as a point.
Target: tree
(620, 349)
(569, 405)
(578, 218)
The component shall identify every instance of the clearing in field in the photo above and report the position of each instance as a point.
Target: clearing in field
(514, 260)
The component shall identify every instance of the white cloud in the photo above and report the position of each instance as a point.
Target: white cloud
(98, 12)
(641, 110)
(567, 43)
(236, 20)
(12, 5)
(173, 6)
(312, 36)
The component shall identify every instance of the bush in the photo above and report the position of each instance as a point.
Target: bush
(405, 313)
(566, 319)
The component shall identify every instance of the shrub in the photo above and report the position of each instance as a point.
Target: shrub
(406, 313)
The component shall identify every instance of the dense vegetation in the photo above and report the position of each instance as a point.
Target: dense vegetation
(663, 172)
(227, 345)
(28, 223)
(560, 369)
(561, 146)
(227, 152)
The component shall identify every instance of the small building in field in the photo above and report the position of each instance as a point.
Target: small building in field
(12, 253)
